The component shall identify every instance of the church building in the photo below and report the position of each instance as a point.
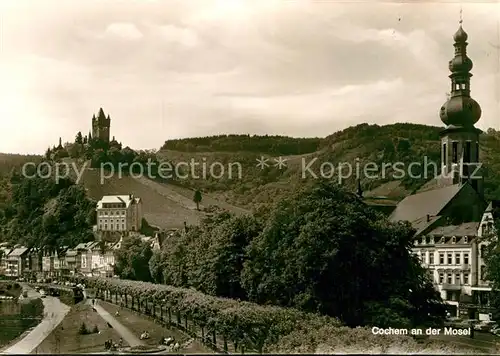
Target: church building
(449, 212)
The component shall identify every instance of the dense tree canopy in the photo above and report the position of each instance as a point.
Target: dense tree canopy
(43, 212)
(320, 250)
(132, 258)
(323, 250)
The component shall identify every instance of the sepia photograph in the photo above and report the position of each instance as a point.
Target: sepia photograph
(249, 177)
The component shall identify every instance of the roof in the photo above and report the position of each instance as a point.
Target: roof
(430, 202)
(18, 252)
(494, 204)
(84, 245)
(117, 199)
(422, 224)
(465, 229)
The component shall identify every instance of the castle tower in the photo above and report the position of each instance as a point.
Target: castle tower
(101, 126)
(460, 139)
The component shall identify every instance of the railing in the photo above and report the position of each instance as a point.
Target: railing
(465, 267)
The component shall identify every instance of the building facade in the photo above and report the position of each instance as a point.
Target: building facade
(122, 213)
(17, 262)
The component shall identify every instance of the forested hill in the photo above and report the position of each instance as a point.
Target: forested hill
(280, 145)
(402, 142)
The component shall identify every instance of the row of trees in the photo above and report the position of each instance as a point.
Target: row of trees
(275, 145)
(320, 250)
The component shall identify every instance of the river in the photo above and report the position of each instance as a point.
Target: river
(17, 317)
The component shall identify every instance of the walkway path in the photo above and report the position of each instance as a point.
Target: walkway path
(125, 333)
(54, 313)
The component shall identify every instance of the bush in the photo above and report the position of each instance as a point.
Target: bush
(95, 330)
(83, 329)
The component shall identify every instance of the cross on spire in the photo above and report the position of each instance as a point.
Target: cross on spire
(461, 19)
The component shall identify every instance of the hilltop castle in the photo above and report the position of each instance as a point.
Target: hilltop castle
(100, 126)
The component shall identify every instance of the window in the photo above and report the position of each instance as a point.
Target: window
(466, 239)
(105, 226)
(483, 251)
(431, 257)
(467, 154)
(457, 258)
(450, 258)
(453, 240)
(123, 226)
(454, 151)
(483, 273)
(458, 279)
(441, 278)
(466, 278)
(449, 278)
(466, 258)
(443, 159)
(111, 213)
(100, 226)
(111, 226)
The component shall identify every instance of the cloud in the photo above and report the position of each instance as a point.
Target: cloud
(182, 36)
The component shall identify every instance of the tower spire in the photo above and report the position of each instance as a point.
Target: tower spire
(460, 110)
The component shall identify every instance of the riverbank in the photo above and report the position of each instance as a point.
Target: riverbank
(53, 313)
(19, 315)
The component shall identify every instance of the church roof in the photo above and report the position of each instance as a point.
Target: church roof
(420, 205)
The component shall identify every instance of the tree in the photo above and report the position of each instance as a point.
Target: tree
(492, 261)
(79, 138)
(323, 249)
(197, 199)
(132, 260)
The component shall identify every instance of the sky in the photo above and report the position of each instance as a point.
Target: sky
(171, 69)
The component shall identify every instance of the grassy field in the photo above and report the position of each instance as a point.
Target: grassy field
(164, 205)
(66, 338)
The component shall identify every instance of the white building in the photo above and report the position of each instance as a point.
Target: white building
(454, 257)
(119, 213)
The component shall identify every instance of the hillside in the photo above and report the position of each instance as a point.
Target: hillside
(379, 145)
(244, 186)
(165, 206)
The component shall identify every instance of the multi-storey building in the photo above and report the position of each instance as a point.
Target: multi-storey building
(452, 257)
(4, 252)
(122, 213)
(73, 261)
(17, 262)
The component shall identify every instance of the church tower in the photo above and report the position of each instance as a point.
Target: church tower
(101, 126)
(460, 138)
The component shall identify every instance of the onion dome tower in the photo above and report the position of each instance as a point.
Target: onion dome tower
(460, 138)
